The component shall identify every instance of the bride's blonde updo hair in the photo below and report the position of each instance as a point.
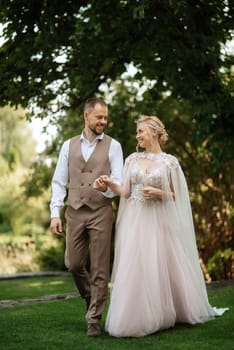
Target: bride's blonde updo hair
(156, 124)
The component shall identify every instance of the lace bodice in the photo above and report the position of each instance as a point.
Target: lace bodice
(148, 169)
(140, 178)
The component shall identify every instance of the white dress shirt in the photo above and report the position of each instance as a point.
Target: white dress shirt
(60, 178)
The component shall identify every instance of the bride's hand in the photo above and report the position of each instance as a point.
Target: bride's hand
(100, 184)
(152, 192)
(105, 178)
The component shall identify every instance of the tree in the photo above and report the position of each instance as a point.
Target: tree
(56, 54)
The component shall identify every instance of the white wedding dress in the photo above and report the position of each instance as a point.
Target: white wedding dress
(156, 277)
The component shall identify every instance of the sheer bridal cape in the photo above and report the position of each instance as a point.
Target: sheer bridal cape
(156, 278)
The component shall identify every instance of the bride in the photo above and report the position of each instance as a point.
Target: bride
(156, 278)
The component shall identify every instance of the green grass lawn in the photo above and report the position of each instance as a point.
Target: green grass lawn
(60, 325)
(25, 288)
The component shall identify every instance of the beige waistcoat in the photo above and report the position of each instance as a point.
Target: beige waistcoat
(82, 174)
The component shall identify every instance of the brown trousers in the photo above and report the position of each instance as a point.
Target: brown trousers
(89, 231)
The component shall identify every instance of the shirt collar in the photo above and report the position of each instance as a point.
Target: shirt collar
(99, 137)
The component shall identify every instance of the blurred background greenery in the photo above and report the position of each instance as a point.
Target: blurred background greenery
(168, 58)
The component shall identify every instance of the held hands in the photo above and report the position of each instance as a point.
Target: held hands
(56, 226)
(101, 183)
(152, 192)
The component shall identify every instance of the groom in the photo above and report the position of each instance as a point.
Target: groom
(82, 159)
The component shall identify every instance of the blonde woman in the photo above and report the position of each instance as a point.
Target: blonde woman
(156, 279)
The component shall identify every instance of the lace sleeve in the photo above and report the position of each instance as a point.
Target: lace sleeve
(127, 183)
(171, 161)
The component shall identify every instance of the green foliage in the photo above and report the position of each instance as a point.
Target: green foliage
(9, 202)
(17, 147)
(57, 54)
(37, 179)
(219, 264)
(51, 258)
(18, 215)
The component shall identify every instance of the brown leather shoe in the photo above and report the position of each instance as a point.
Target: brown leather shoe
(93, 330)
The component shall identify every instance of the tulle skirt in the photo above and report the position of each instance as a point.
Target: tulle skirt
(154, 284)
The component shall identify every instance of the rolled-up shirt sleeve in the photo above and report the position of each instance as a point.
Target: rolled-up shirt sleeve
(59, 181)
(116, 166)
